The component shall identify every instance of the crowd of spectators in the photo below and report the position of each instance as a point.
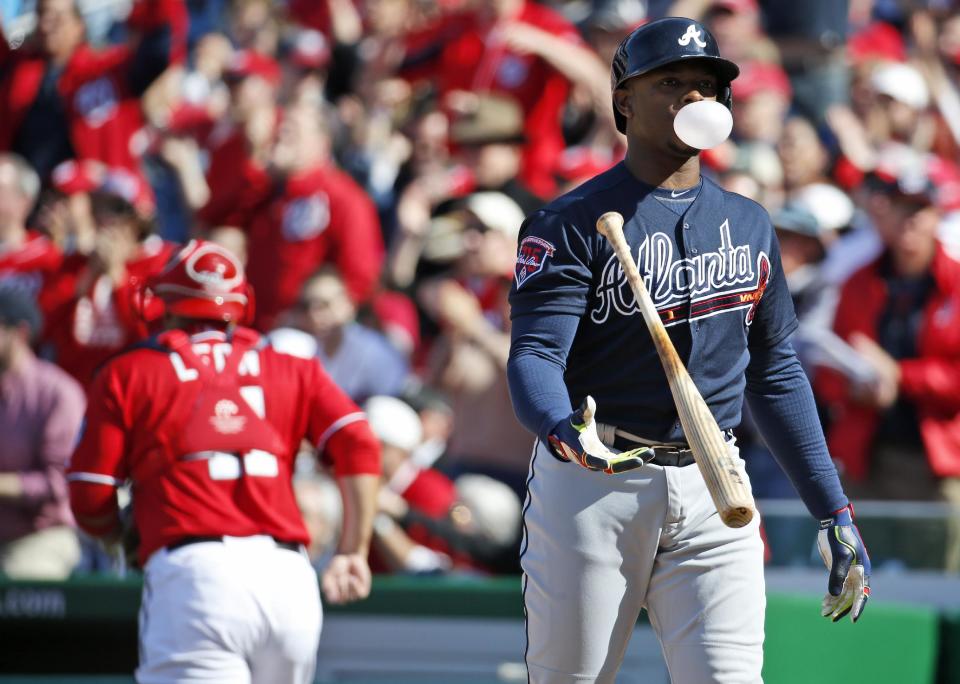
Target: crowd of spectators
(371, 162)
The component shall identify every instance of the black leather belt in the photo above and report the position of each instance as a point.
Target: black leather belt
(186, 541)
(663, 455)
(676, 455)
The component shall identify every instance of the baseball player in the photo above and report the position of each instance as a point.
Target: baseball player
(205, 421)
(609, 532)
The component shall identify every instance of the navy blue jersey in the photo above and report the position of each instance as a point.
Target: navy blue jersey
(713, 273)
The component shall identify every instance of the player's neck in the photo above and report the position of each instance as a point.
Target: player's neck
(197, 326)
(663, 172)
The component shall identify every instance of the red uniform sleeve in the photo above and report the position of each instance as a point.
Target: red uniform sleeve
(358, 252)
(98, 465)
(338, 427)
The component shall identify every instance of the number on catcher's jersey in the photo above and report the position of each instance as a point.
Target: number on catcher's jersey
(253, 463)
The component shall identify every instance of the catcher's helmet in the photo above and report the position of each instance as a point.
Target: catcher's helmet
(203, 280)
(665, 41)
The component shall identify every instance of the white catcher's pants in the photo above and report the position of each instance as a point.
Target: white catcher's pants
(243, 611)
(598, 548)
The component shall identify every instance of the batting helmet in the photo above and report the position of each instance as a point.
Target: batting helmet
(665, 41)
(203, 280)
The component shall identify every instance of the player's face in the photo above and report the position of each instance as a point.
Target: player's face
(650, 103)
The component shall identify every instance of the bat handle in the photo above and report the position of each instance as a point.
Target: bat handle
(610, 225)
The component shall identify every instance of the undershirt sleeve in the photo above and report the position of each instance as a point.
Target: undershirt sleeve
(781, 401)
(538, 354)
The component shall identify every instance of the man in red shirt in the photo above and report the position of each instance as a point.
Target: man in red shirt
(60, 98)
(27, 259)
(206, 420)
(315, 214)
(93, 308)
(239, 144)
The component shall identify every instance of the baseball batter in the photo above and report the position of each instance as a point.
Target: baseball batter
(610, 532)
(206, 420)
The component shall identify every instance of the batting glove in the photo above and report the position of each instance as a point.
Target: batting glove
(846, 558)
(575, 439)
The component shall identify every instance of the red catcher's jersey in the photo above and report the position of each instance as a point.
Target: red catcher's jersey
(141, 404)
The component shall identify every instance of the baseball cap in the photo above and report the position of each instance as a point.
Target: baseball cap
(16, 307)
(901, 82)
(496, 211)
(310, 49)
(910, 183)
(831, 206)
(796, 219)
(113, 188)
(394, 422)
(495, 507)
(491, 119)
(78, 175)
(877, 41)
(251, 63)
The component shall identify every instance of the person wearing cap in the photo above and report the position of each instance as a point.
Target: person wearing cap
(406, 487)
(481, 531)
(206, 421)
(487, 135)
(894, 429)
(41, 408)
(61, 98)
(469, 356)
(618, 517)
(28, 260)
(94, 304)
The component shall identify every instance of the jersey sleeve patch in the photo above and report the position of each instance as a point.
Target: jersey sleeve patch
(532, 255)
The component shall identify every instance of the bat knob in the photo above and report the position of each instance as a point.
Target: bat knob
(609, 222)
(738, 517)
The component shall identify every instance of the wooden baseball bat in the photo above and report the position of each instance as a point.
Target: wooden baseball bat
(731, 494)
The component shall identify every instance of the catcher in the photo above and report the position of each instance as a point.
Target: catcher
(205, 420)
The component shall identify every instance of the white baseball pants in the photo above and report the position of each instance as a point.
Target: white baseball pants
(598, 548)
(241, 611)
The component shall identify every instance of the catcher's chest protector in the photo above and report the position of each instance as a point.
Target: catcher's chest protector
(220, 419)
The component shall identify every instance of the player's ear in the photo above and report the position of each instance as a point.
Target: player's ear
(621, 100)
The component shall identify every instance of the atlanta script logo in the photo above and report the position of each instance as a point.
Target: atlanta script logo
(729, 279)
